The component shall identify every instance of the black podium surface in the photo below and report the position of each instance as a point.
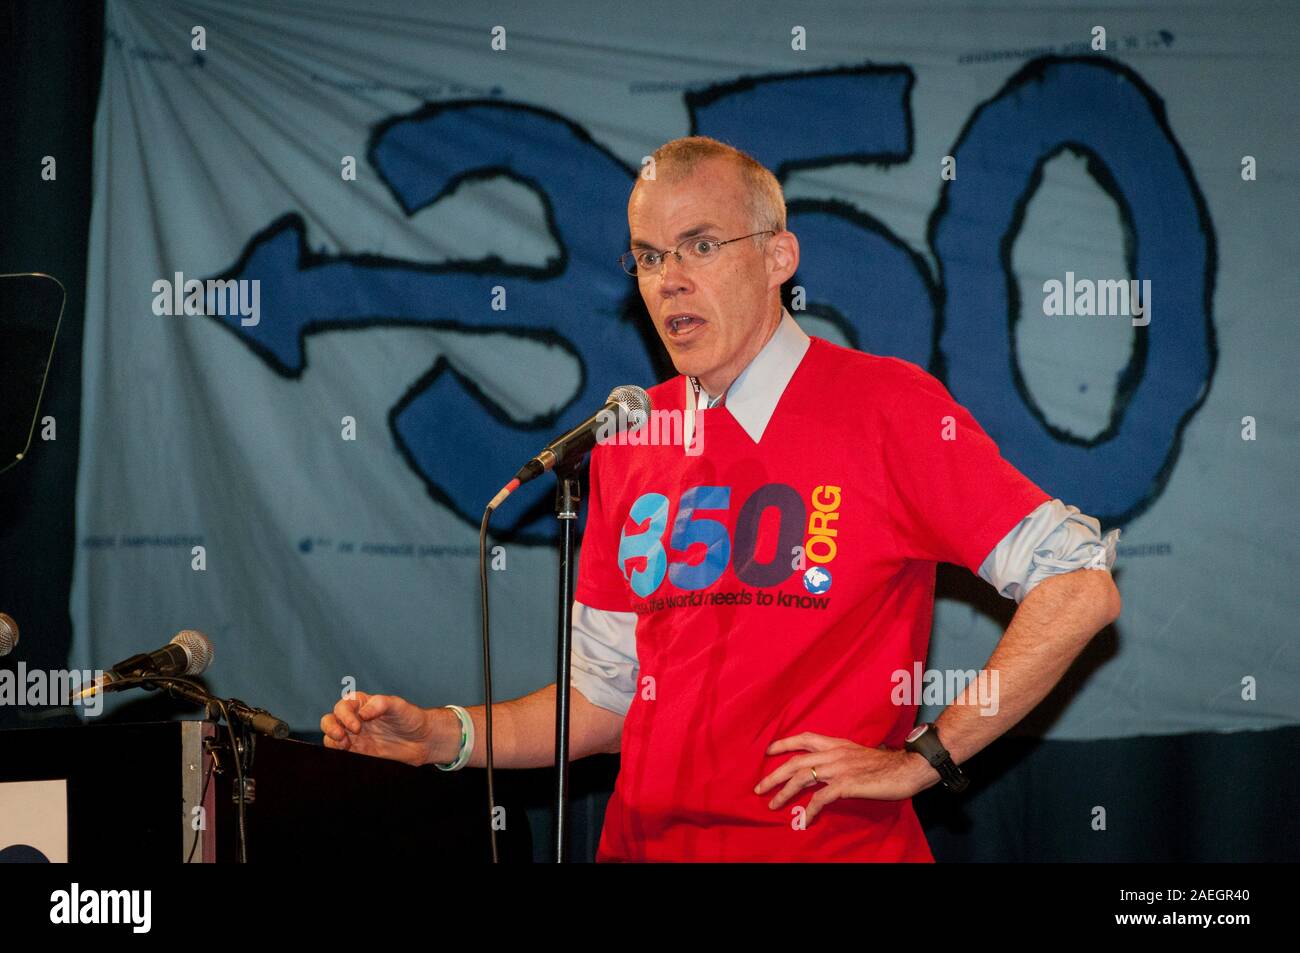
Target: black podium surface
(132, 793)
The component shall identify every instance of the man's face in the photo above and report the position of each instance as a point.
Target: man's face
(713, 317)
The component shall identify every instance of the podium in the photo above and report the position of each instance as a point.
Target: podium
(149, 793)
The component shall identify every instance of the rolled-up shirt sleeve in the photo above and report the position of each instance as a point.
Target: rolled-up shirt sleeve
(1054, 538)
(603, 657)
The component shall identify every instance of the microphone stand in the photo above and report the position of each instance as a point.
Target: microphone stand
(568, 495)
(252, 721)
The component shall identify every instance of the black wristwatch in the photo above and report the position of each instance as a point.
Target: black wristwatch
(924, 740)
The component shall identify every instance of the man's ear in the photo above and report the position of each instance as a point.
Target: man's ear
(782, 258)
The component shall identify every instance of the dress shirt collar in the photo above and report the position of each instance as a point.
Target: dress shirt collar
(753, 395)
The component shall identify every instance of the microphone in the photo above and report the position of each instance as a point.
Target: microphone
(188, 653)
(8, 633)
(259, 719)
(632, 402)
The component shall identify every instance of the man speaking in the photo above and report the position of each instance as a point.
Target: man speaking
(744, 614)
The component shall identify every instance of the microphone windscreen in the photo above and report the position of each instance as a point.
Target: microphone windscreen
(635, 403)
(8, 633)
(198, 648)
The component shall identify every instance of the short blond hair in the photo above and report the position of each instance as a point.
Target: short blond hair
(765, 202)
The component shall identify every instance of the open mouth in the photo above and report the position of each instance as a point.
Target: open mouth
(683, 325)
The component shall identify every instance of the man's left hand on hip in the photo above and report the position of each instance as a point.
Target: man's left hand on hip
(841, 768)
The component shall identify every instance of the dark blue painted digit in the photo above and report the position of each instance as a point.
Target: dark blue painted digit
(1103, 110)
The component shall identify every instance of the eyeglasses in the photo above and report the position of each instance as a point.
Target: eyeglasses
(699, 251)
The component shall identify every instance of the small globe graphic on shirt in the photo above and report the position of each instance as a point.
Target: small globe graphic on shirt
(816, 580)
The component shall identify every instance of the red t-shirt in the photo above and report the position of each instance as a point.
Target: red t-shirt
(778, 587)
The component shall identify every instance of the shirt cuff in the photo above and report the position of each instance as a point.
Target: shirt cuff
(1053, 539)
(603, 662)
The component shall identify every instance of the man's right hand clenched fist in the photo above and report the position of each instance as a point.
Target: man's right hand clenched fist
(383, 726)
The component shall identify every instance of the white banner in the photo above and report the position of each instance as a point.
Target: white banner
(418, 210)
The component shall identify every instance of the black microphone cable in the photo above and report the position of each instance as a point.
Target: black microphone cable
(630, 400)
(193, 692)
(487, 673)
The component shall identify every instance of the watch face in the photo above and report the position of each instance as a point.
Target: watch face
(917, 732)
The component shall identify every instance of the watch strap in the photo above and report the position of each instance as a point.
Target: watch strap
(929, 746)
